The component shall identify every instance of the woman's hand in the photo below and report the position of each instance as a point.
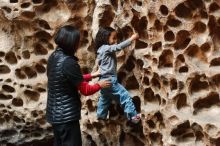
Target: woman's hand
(134, 36)
(96, 74)
(104, 83)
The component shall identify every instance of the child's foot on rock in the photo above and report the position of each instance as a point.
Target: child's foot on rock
(136, 119)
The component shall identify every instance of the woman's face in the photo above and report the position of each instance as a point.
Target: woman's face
(112, 38)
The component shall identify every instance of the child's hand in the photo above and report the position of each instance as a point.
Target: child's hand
(104, 83)
(134, 36)
(96, 74)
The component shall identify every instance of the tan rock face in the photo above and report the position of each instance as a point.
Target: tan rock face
(172, 71)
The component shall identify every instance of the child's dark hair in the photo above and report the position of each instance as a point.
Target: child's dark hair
(102, 37)
(68, 38)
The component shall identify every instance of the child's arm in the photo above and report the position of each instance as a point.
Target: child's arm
(122, 45)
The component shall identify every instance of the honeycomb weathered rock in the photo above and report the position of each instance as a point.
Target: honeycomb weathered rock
(172, 71)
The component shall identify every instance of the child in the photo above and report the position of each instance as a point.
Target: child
(106, 47)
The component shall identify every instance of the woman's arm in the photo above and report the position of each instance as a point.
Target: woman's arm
(87, 89)
(88, 77)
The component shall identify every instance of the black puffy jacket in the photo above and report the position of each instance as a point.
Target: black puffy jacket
(63, 103)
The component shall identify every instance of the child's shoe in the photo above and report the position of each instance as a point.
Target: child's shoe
(136, 119)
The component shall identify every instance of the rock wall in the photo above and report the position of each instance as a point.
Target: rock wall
(172, 71)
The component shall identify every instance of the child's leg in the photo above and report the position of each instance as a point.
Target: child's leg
(102, 107)
(125, 101)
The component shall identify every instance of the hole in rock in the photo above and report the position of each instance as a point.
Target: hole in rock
(90, 106)
(20, 74)
(182, 39)
(2, 54)
(137, 102)
(41, 121)
(140, 44)
(169, 36)
(183, 69)
(204, 14)
(25, 5)
(32, 95)
(218, 21)
(114, 4)
(7, 9)
(181, 100)
(166, 59)
(149, 95)
(164, 10)
(157, 46)
(194, 4)
(125, 32)
(173, 84)
(158, 25)
(40, 50)
(40, 68)
(151, 124)
(140, 63)
(156, 137)
(180, 129)
(39, 89)
(8, 80)
(155, 82)
(205, 47)
(208, 101)
(18, 102)
(216, 79)
(16, 119)
(140, 25)
(173, 22)
(121, 76)
(13, 1)
(197, 85)
(212, 25)
(112, 110)
(107, 17)
(26, 54)
(8, 88)
(4, 69)
(5, 97)
(129, 66)
(30, 72)
(199, 27)
(180, 58)
(11, 58)
(146, 80)
(215, 62)
(213, 7)
(44, 24)
(8, 133)
(43, 35)
(37, 1)
(43, 61)
(183, 11)
(132, 83)
(28, 15)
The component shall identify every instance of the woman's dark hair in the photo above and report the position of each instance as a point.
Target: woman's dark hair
(68, 38)
(102, 37)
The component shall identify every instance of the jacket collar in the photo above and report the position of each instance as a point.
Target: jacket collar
(74, 57)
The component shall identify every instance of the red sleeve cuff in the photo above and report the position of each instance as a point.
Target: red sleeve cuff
(87, 77)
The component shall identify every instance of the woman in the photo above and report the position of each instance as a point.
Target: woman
(64, 80)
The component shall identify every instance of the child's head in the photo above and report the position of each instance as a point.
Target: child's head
(68, 39)
(105, 36)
